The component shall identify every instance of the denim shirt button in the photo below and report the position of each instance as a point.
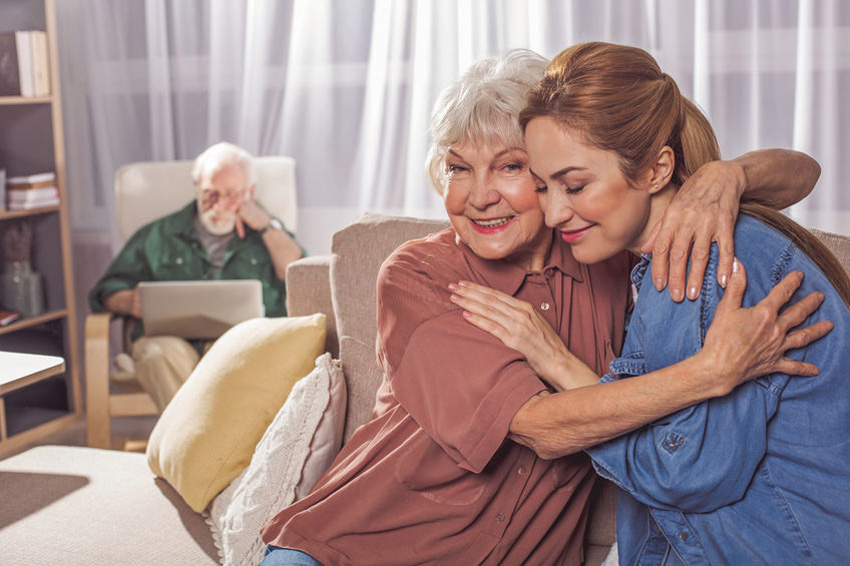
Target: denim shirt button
(683, 535)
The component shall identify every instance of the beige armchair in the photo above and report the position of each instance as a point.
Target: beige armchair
(143, 193)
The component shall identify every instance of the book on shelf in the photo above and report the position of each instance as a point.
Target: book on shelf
(31, 181)
(32, 191)
(24, 66)
(8, 317)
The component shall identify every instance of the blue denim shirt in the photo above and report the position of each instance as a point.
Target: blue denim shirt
(761, 476)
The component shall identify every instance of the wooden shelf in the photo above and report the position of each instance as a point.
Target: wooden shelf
(9, 214)
(31, 321)
(18, 100)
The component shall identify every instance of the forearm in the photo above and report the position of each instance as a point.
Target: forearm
(120, 302)
(558, 424)
(283, 250)
(777, 177)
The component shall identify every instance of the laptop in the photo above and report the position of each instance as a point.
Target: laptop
(199, 309)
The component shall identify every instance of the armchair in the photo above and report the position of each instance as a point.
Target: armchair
(143, 193)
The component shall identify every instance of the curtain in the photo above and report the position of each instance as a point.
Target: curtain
(346, 87)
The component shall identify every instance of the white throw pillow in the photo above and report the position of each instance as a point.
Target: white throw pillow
(298, 446)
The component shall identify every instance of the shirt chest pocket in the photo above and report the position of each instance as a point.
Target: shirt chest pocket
(246, 264)
(427, 470)
(178, 265)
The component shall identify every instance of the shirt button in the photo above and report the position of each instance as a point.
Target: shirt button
(521, 470)
(544, 306)
(500, 517)
(683, 535)
(253, 261)
(179, 261)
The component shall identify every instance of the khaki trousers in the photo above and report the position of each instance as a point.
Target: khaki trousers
(163, 363)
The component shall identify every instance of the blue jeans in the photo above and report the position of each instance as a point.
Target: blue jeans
(275, 556)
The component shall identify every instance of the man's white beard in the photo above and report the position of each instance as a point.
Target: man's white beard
(218, 223)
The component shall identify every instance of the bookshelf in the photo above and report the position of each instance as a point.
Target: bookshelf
(39, 366)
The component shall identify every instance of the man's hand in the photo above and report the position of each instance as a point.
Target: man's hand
(126, 302)
(252, 214)
(703, 211)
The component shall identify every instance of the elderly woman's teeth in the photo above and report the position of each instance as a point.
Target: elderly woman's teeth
(493, 222)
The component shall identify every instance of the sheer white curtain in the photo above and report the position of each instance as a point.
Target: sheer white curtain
(346, 86)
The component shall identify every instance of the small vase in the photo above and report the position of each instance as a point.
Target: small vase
(21, 289)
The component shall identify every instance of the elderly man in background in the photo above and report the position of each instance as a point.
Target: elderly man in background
(222, 234)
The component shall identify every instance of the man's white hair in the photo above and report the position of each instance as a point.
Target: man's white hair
(482, 105)
(220, 155)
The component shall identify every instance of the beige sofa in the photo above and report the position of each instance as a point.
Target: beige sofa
(84, 506)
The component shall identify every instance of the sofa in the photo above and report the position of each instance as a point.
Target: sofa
(84, 506)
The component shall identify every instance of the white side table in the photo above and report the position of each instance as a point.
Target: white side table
(19, 370)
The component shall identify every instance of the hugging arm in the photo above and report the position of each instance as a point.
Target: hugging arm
(705, 208)
(742, 343)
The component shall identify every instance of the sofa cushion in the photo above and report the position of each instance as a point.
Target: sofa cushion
(207, 433)
(296, 449)
(73, 505)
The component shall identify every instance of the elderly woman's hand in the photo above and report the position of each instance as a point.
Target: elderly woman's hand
(703, 211)
(746, 343)
(519, 326)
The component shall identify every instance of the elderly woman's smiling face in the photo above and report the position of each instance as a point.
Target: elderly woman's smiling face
(491, 201)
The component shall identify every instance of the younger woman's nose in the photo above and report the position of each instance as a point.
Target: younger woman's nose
(556, 210)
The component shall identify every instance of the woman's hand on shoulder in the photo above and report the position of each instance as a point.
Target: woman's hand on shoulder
(703, 211)
(519, 326)
(746, 343)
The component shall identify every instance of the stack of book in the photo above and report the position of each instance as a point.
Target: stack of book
(32, 191)
(24, 69)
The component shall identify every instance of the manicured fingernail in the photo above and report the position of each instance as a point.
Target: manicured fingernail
(463, 283)
(452, 287)
(678, 295)
(692, 293)
(454, 298)
(659, 284)
(723, 280)
(735, 266)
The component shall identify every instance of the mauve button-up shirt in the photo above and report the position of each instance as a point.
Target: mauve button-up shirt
(432, 478)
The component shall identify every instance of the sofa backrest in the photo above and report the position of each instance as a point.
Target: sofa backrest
(357, 254)
(838, 244)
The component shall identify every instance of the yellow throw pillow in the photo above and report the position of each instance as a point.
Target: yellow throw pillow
(207, 433)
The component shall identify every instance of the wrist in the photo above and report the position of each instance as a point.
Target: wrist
(273, 224)
(743, 178)
(709, 376)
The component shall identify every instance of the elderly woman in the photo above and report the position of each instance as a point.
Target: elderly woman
(759, 476)
(440, 474)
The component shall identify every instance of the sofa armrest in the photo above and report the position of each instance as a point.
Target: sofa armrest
(308, 291)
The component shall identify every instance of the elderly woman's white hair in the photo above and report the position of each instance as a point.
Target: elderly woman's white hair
(219, 155)
(482, 105)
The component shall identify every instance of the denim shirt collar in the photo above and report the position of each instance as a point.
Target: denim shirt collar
(639, 270)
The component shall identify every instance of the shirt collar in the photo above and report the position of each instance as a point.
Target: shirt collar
(639, 270)
(509, 277)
